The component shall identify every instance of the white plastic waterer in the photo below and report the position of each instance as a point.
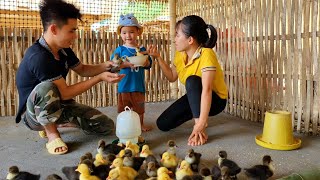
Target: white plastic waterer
(128, 126)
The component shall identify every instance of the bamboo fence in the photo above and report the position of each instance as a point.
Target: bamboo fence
(269, 50)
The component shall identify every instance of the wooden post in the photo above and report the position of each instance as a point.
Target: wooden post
(172, 11)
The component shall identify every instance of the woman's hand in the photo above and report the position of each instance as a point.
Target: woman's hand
(147, 63)
(198, 135)
(153, 51)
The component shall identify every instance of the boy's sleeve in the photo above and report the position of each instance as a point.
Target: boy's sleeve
(149, 58)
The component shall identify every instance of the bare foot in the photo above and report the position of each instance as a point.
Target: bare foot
(146, 128)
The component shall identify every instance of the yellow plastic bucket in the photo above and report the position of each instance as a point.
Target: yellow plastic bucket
(277, 132)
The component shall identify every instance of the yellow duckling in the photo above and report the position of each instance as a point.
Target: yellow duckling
(145, 151)
(100, 160)
(121, 153)
(183, 170)
(83, 169)
(138, 52)
(133, 147)
(169, 160)
(164, 177)
(115, 174)
(163, 173)
(161, 177)
(124, 171)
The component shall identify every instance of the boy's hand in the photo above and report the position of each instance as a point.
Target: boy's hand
(126, 64)
(153, 51)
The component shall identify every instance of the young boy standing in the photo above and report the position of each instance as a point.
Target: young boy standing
(131, 89)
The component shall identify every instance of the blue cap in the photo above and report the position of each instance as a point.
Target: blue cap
(128, 20)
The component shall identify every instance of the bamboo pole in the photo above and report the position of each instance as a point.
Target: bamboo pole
(289, 104)
(307, 81)
(283, 57)
(299, 64)
(172, 12)
(315, 61)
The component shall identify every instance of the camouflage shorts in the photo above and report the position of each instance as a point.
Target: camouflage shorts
(44, 106)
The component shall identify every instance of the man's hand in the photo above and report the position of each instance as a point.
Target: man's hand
(109, 65)
(111, 77)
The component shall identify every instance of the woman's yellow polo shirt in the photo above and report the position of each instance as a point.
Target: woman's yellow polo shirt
(204, 59)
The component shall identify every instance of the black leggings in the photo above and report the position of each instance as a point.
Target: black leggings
(188, 106)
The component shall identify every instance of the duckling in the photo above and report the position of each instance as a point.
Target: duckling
(161, 177)
(129, 172)
(101, 166)
(85, 173)
(183, 170)
(145, 151)
(216, 172)
(14, 173)
(151, 169)
(142, 175)
(86, 156)
(163, 170)
(169, 160)
(70, 172)
(193, 158)
(116, 63)
(261, 172)
(138, 52)
(225, 173)
(133, 147)
(115, 174)
(193, 177)
(109, 148)
(164, 177)
(53, 177)
(101, 171)
(206, 174)
(134, 162)
(162, 174)
(128, 161)
(150, 158)
(234, 169)
(121, 153)
(99, 160)
(109, 158)
(89, 156)
(172, 147)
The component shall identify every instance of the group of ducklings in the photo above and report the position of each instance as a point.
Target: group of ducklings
(128, 162)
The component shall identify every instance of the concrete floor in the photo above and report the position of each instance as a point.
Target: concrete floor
(24, 148)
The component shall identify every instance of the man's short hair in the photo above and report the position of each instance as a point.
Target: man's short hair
(58, 12)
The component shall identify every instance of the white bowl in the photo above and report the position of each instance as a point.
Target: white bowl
(138, 60)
